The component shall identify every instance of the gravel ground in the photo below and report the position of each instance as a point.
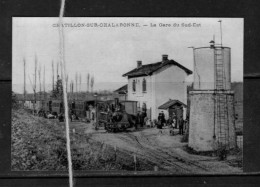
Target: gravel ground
(153, 147)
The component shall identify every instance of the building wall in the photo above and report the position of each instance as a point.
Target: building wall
(201, 129)
(140, 96)
(169, 84)
(204, 68)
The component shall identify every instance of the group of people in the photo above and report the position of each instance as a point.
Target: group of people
(173, 122)
(141, 118)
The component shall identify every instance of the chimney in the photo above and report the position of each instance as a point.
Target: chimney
(139, 64)
(212, 44)
(164, 58)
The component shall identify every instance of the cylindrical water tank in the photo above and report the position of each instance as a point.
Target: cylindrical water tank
(206, 72)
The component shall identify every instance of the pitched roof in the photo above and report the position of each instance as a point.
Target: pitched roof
(122, 90)
(149, 69)
(170, 103)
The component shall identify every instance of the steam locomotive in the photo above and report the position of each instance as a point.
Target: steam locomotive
(116, 116)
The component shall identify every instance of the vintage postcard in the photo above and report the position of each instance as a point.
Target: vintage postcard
(144, 94)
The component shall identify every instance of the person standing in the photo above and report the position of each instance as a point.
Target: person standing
(159, 125)
(163, 118)
(71, 115)
(138, 118)
(181, 124)
(170, 122)
(141, 119)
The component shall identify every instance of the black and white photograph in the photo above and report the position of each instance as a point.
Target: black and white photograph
(139, 94)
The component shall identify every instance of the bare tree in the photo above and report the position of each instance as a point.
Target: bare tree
(52, 75)
(67, 79)
(92, 83)
(40, 86)
(88, 79)
(24, 86)
(79, 82)
(61, 70)
(76, 82)
(72, 84)
(57, 71)
(44, 96)
(70, 91)
(35, 81)
(33, 87)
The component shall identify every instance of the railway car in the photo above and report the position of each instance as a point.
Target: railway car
(80, 108)
(47, 106)
(116, 116)
(57, 107)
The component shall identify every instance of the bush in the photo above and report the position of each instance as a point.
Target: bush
(40, 144)
(222, 152)
(15, 104)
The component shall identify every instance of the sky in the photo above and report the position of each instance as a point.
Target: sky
(108, 52)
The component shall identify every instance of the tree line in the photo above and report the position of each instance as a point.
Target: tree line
(38, 76)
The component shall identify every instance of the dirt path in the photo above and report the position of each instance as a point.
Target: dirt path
(154, 147)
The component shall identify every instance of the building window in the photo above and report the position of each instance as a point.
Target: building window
(144, 85)
(144, 107)
(134, 85)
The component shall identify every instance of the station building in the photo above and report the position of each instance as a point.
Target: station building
(154, 84)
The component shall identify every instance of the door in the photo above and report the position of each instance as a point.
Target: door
(176, 111)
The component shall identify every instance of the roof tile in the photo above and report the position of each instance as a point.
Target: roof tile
(148, 69)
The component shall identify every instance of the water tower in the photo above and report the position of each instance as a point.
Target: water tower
(212, 123)
(212, 68)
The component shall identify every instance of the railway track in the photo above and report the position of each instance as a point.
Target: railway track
(168, 159)
(148, 147)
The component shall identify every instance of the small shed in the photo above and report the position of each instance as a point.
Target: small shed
(174, 108)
